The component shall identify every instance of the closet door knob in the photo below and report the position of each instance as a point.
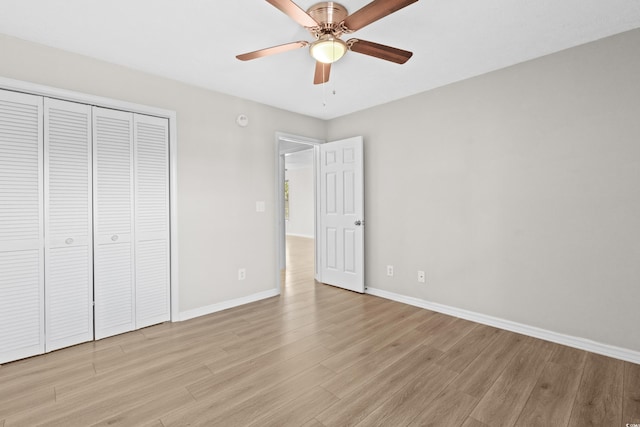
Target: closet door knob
(114, 237)
(69, 241)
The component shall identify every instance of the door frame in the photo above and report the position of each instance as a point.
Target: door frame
(98, 101)
(289, 143)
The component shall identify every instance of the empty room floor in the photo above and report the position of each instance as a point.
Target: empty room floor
(320, 356)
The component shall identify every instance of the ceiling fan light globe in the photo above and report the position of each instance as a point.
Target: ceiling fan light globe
(328, 50)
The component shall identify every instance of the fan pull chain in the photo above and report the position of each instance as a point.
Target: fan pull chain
(324, 92)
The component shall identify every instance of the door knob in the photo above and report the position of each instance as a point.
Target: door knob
(69, 241)
(114, 237)
(359, 223)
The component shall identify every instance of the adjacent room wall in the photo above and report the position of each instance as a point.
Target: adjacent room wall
(301, 201)
(223, 169)
(518, 192)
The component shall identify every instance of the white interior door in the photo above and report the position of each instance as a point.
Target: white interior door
(68, 219)
(341, 200)
(21, 227)
(151, 152)
(113, 218)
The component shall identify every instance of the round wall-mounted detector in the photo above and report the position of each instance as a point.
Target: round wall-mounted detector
(242, 120)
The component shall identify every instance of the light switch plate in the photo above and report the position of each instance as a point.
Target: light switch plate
(260, 206)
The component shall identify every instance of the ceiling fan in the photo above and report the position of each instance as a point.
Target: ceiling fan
(327, 22)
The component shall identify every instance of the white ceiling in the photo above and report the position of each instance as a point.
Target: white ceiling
(195, 41)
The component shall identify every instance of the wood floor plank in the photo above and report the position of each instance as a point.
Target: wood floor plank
(174, 363)
(293, 313)
(471, 422)
(503, 402)
(457, 330)
(153, 423)
(258, 374)
(599, 399)
(374, 322)
(360, 373)
(211, 323)
(358, 404)
(214, 397)
(46, 365)
(57, 360)
(183, 337)
(552, 398)
(248, 348)
(567, 356)
(208, 350)
(10, 405)
(43, 378)
(311, 423)
(401, 408)
(437, 328)
(362, 349)
(161, 404)
(87, 409)
(297, 412)
(132, 408)
(480, 374)
(288, 346)
(449, 408)
(458, 357)
(631, 408)
(226, 371)
(250, 409)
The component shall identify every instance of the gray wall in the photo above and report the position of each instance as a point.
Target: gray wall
(518, 192)
(223, 169)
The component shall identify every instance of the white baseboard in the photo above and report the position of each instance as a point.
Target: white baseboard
(203, 311)
(570, 341)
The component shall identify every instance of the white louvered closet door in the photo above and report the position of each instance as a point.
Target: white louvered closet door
(151, 153)
(21, 227)
(113, 221)
(68, 221)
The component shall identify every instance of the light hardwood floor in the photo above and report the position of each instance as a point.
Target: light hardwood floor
(320, 356)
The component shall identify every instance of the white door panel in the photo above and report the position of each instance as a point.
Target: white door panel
(114, 308)
(342, 213)
(68, 219)
(151, 152)
(21, 226)
(113, 221)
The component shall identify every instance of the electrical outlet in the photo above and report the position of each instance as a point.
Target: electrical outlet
(390, 270)
(421, 276)
(242, 273)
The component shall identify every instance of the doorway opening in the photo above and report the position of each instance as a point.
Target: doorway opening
(296, 208)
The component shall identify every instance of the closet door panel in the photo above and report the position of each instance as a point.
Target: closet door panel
(113, 221)
(151, 148)
(68, 219)
(21, 227)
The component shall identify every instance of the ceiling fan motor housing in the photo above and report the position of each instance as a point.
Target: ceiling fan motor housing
(329, 15)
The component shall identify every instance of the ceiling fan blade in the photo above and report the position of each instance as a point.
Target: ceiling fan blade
(381, 51)
(322, 73)
(272, 50)
(294, 12)
(375, 10)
